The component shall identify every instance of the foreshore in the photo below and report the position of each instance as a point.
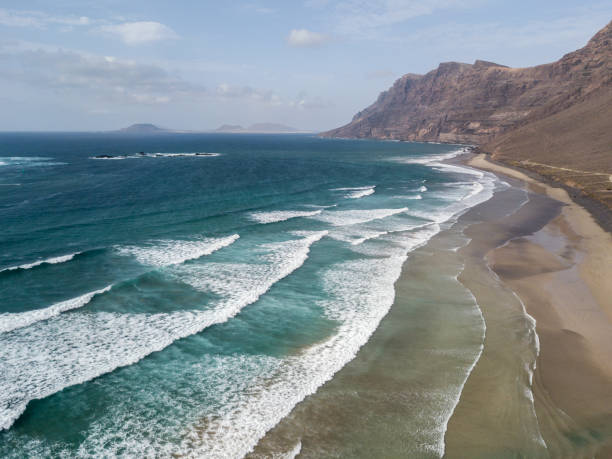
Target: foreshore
(562, 274)
(536, 264)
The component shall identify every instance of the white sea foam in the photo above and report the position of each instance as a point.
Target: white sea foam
(12, 321)
(357, 192)
(201, 154)
(45, 357)
(466, 198)
(530, 367)
(458, 169)
(103, 341)
(293, 452)
(476, 188)
(352, 217)
(281, 215)
(49, 261)
(437, 162)
(358, 234)
(28, 161)
(441, 444)
(361, 293)
(172, 252)
(423, 189)
(429, 159)
(242, 283)
(360, 193)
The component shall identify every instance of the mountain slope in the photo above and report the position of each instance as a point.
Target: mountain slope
(555, 119)
(472, 103)
(573, 146)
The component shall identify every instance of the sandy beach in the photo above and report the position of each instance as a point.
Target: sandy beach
(561, 274)
(536, 264)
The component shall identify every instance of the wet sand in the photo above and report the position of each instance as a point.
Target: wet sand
(563, 275)
(431, 381)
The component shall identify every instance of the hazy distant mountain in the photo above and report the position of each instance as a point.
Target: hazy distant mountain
(230, 128)
(271, 127)
(261, 128)
(144, 128)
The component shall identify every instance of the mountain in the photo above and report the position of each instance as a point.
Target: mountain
(555, 119)
(262, 128)
(271, 127)
(143, 128)
(230, 128)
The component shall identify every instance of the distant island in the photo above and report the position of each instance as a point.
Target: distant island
(259, 128)
(144, 128)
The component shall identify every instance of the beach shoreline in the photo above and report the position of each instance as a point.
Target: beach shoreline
(601, 213)
(559, 273)
(536, 388)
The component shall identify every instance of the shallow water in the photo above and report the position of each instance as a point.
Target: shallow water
(172, 304)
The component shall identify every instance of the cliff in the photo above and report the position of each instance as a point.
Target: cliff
(555, 119)
(473, 103)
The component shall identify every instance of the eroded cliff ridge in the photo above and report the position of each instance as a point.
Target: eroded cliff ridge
(555, 119)
(473, 103)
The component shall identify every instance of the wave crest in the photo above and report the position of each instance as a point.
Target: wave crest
(173, 252)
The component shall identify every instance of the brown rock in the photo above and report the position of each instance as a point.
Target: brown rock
(473, 103)
(555, 119)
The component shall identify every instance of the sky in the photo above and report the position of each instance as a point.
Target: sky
(83, 65)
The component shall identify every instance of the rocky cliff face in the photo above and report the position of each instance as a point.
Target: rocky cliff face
(475, 103)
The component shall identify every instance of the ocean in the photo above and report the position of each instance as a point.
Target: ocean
(181, 294)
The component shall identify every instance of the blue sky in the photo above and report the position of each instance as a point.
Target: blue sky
(94, 65)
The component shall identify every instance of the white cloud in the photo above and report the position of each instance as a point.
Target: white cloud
(305, 103)
(361, 17)
(114, 82)
(303, 37)
(552, 35)
(247, 92)
(137, 33)
(38, 19)
(89, 77)
(269, 97)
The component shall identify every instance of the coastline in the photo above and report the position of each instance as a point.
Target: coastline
(601, 213)
(538, 384)
(561, 274)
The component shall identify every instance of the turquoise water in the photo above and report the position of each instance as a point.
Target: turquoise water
(157, 304)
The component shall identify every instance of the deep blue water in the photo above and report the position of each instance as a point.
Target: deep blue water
(160, 304)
